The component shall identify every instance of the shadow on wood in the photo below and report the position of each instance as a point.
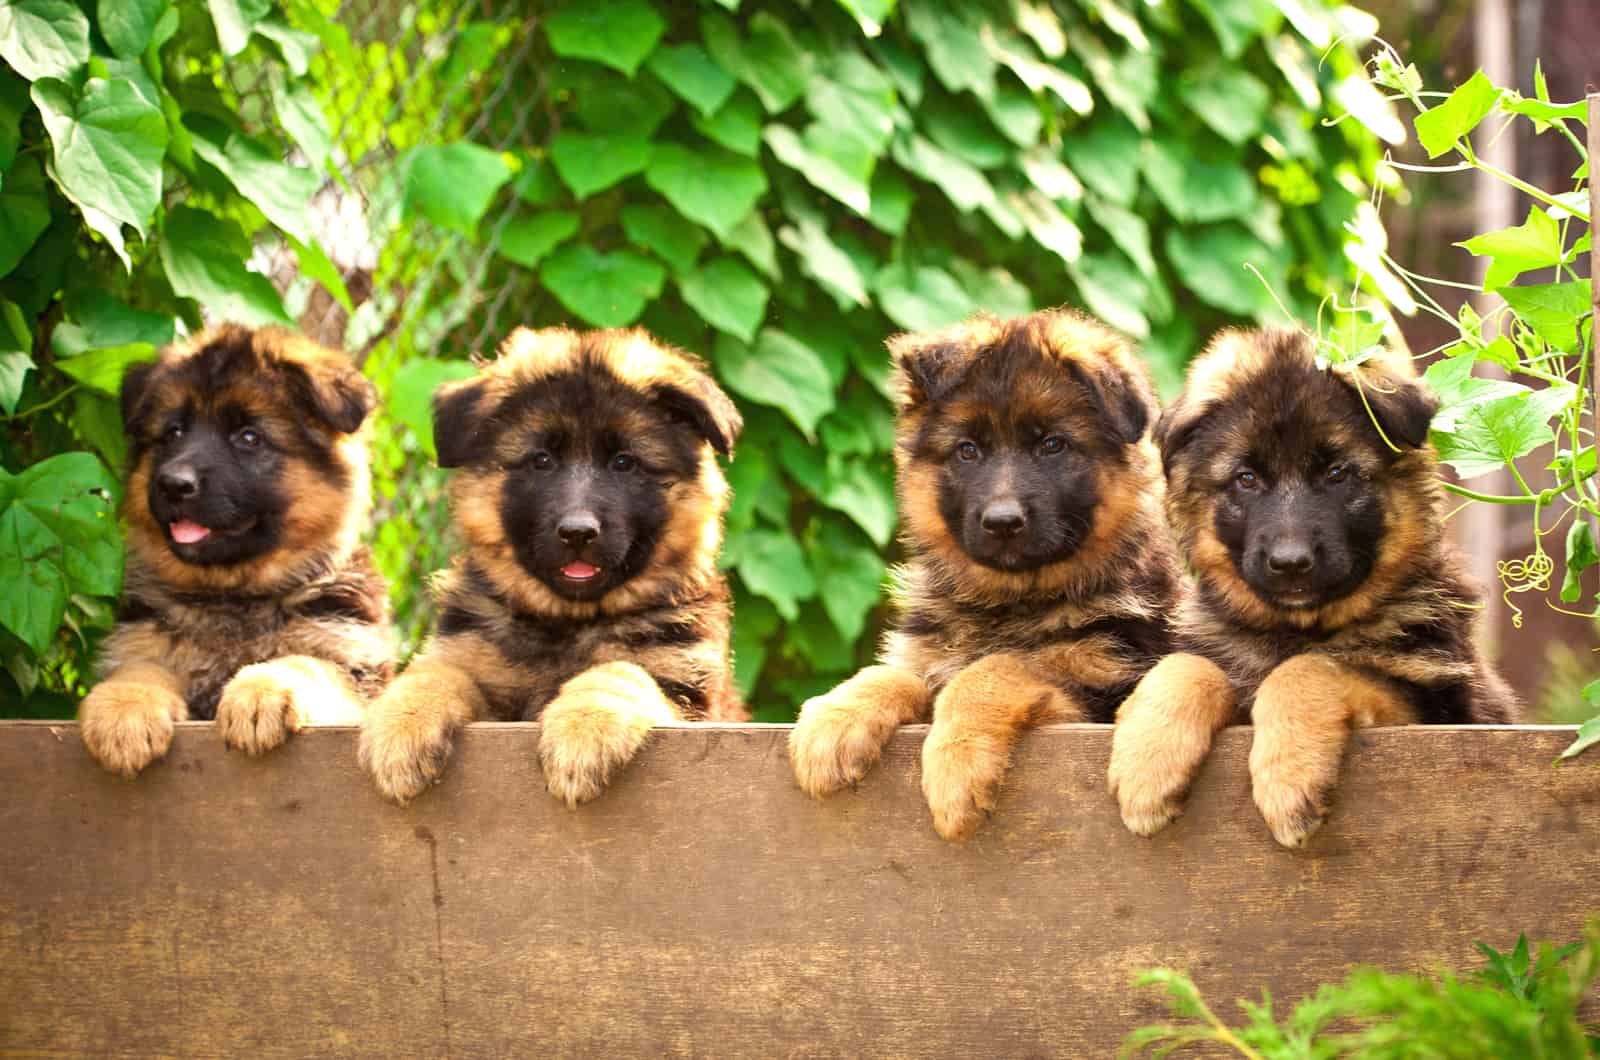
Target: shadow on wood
(277, 907)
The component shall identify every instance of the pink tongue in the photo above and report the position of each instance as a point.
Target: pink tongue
(186, 533)
(580, 570)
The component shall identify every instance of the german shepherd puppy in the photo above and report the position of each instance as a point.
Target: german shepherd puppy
(247, 597)
(590, 502)
(1306, 500)
(1039, 573)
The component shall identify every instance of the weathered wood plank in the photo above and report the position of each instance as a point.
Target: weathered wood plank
(705, 906)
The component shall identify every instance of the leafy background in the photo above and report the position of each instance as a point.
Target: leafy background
(774, 187)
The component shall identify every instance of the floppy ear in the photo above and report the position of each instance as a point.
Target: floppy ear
(1122, 400)
(135, 389)
(702, 403)
(1403, 407)
(1176, 429)
(926, 367)
(460, 436)
(339, 395)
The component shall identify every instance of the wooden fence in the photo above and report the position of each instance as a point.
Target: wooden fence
(221, 905)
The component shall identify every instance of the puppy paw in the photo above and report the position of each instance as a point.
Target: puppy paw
(257, 711)
(1294, 808)
(125, 725)
(836, 741)
(593, 728)
(405, 745)
(961, 777)
(1150, 786)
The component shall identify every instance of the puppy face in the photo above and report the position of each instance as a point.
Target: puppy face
(1015, 438)
(1283, 488)
(246, 459)
(588, 464)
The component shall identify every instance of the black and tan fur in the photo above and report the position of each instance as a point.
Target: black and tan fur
(281, 621)
(990, 645)
(1388, 641)
(540, 432)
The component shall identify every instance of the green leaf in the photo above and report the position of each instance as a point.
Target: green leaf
(43, 38)
(536, 183)
(75, 497)
(607, 290)
(729, 296)
(822, 259)
(1016, 113)
(102, 369)
(1114, 291)
(736, 126)
(14, 368)
(1492, 434)
(1230, 100)
(891, 201)
(752, 238)
(302, 118)
(866, 494)
(1039, 76)
(963, 184)
(1048, 226)
(771, 565)
(962, 129)
(870, 15)
(780, 371)
(526, 240)
(1196, 190)
(754, 620)
(1452, 381)
(98, 419)
(296, 46)
(198, 253)
(954, 47)
(1128, 231)
(36, 598)
(14, 103)
(591, 163)
(316, 265)
(235, 20)
(607, 102)
(1535, 244)
(855, 100)
(106, 148)
(280, 191)
(689, 72)
(128, 25)
(410, 397)
(1554, 310)
(1588, 736)
(995, 289)
(1236, 22)
(921, 298)
(618, 33)
(1581, 555)
(713, 187)
(24, 212)
(452, 185)
(1211, 263)
(768, 60)
(1438, 129)
(832, 161)
(660, 230)
(95, 319)
(1105, 154)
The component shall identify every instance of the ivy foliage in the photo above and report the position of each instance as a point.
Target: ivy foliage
(136, 183)
(780, 188)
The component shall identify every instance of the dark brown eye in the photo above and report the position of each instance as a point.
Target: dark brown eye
(1338, 472)
(542, 461)
(247, 438)
(1052, 445)
(623, 462)
(968, 451)
(172, 433)
(1246, 479)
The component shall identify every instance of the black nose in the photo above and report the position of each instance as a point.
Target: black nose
(178, 483)
(1003, 519)
(1289, 557)
(578, 529)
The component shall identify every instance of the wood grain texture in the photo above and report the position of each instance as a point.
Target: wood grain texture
(704, 906)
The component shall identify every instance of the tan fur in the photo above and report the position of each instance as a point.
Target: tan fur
(1163, 734)
(265, 702)
(595, 725)
(408, 734)
(126, 720)
(1303, 714)
(847, 728)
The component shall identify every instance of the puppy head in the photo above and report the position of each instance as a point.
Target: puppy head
(247, 458)
(1020, 444)
(1299, 493)
(588, 476)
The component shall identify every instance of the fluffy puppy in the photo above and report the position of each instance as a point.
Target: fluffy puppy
(1039, 572)
(1306, 500)
(590, 502)
(247, 597)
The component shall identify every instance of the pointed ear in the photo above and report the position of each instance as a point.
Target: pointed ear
(1402, 407)
(335, 391)
(1125, 402)
(136, 385)
(460, 433)
(698, 400)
